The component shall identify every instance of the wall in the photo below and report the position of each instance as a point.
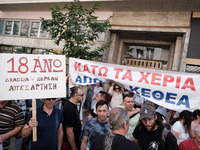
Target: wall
(170, 19)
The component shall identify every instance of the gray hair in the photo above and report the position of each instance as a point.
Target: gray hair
(118, 116)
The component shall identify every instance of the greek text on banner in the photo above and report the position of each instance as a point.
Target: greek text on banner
(173, 90)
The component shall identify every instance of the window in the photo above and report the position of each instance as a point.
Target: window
(8, 27)
(19, 50)
(1, 26)
(25, 28)
(16, 28)
(43, 33)
(34, 29)
(12, 27)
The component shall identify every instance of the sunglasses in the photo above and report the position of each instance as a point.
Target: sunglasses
(51, 99)
(117, 88)
(81, 95)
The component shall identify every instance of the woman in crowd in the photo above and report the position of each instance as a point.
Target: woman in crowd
(181, 127)
(95, 91)
(195, 121)
(117, 97)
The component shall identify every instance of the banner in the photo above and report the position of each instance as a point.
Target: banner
(173, 90)
(27, 76)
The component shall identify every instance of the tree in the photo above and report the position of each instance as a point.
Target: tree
(78, 28)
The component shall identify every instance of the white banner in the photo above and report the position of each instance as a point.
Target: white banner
(24, 76)
(173, 90)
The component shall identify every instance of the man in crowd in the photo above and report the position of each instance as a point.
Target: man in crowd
(115, 138)
(192, 144)
(97, 125)
(49, 127)
(128, 104)
(11, 121)
(102, 95)
(72, 123)
(150, 132)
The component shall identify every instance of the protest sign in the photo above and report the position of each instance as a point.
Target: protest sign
(24, 76)
(173, 90)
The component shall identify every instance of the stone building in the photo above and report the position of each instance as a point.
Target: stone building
(161, 34)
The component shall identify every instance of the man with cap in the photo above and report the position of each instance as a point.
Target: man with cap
(150, 133)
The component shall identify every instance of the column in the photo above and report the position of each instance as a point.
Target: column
(177, 53)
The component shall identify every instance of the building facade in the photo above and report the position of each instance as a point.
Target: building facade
(153, 34)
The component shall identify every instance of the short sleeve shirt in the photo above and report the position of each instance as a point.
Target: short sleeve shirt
(47, 129)
(71, 119)
(93, 128)
(178, 127)
(153, 140)
(11, 116)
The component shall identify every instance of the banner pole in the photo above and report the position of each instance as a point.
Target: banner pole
(34, 117)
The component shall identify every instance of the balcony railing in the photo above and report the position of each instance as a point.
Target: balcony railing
(153, 64)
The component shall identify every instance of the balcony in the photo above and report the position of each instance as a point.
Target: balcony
(152, 64)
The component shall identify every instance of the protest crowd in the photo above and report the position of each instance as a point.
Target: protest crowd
(97, 117)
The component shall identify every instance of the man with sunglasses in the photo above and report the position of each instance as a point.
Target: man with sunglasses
(49, 127)
(72, 123)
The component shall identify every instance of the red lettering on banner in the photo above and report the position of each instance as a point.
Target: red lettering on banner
(117, 72)
(167, 79)
(37, 65)
(85, 68)
(105, 73)
(77, 66)
(127, 75)
(189, 83)
(178, 81)
(49, 67)
(93, 68)
(57, 63)
(155, 77)
(144, 77)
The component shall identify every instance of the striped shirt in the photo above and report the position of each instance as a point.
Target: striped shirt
(11, 116)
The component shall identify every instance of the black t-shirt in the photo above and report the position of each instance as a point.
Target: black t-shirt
(119, 143)
(153, 140)
(71, 119)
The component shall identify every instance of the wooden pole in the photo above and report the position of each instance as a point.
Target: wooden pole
(34, 117)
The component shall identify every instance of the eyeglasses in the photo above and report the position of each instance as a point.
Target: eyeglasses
(51, 99)
(117, 88)
(81, 95)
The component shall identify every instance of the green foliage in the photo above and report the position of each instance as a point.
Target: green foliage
(78, 28)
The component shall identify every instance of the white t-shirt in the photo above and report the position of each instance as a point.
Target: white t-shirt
(183, 135)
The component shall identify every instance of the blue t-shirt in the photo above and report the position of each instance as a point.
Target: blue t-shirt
(93, 128)
(47, 129)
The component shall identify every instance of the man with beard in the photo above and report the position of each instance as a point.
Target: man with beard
(150, 133)
(97, 125)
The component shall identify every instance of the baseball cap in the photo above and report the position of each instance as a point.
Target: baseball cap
(147, 111)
